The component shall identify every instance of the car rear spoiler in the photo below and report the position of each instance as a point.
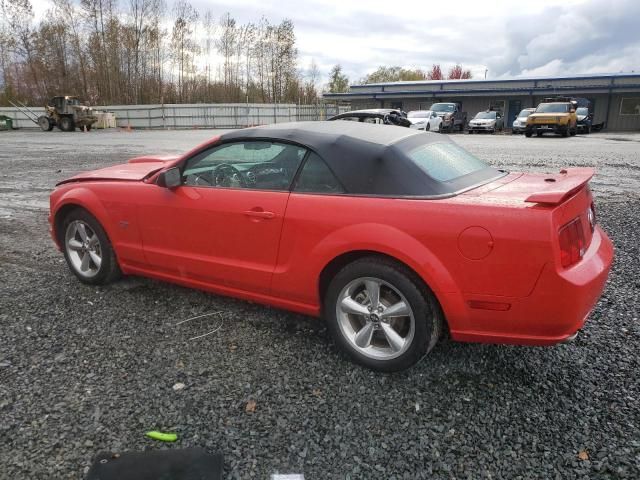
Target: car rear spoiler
(562, 186)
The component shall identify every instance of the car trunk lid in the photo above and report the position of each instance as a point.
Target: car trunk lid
(565, 196)
(536, 188)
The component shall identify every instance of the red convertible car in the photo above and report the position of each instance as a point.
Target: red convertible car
(392, 235)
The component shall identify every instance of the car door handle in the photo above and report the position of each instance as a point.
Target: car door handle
(260, 214)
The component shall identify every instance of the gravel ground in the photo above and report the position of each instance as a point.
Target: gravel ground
(85, 369)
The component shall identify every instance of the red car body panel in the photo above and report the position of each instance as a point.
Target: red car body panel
(490, 255)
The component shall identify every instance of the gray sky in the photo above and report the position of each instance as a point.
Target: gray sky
(507, 37)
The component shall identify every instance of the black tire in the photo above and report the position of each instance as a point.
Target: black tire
(573, 131)
(427, 315)
(427, 128)
(67, 124)
(45, 123)
(528, 134)
(588, 129)
(539, 134)
(565, 131)
(88, 128)
(108, 271)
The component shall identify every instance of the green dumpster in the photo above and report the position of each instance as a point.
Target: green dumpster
(5, 123)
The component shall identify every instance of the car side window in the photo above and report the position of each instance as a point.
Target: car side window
(257, 165)
(316, 177)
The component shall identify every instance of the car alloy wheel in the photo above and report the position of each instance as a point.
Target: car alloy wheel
(83, 249)
(381, 314)
(87, 248)
(375, 318)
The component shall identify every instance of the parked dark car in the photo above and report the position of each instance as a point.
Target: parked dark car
(384, 116)
(585, 119)
(452, 115)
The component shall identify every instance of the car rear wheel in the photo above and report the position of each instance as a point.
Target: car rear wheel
(427, 128)
(87, 249)
(381, 315)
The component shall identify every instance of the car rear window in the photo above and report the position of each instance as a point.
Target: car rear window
(445, 161)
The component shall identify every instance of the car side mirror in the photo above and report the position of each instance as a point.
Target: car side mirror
(170, 178)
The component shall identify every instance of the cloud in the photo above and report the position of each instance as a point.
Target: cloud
(587, 38)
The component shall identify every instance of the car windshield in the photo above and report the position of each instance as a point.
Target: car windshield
(445, 161)
(552, 108)
(582, 111)
(524, 113)
(443, 107)
(490, 115)
(419, 114)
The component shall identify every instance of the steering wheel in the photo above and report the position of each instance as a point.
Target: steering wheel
(200, 179)
(226, 175)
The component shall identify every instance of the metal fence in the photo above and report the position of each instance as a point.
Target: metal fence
(214, 115)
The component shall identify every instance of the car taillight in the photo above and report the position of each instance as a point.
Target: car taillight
(572, 243)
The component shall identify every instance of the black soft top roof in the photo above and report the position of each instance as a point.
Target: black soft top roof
(368, 159)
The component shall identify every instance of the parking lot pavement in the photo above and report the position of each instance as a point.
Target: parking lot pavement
(86, 369)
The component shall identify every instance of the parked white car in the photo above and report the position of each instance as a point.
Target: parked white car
(426, 120)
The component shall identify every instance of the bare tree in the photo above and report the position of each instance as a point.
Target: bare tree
(119, 51)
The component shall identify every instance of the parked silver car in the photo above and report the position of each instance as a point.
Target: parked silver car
(487, 121)
(520, 123)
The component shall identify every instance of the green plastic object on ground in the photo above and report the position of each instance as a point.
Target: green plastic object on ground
(163, 437)
(5, 123)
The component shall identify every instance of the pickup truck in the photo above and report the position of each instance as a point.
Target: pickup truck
(452, 115)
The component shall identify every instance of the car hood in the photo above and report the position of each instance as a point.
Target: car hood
(136, 169)
(417, 120)
(548, 115)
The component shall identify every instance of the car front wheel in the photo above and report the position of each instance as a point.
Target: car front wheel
(87, 249)
(381, 315)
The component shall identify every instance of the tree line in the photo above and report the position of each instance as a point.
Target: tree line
(137, 52)
(339, 82)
